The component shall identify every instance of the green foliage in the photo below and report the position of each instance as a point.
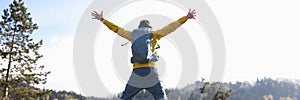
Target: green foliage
(19, 53)
(214, 91)
(64, 95)
(32, 93)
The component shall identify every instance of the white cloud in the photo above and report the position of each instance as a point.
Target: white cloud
(261, 37)
(58, 58)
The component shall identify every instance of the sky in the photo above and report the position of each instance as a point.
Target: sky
(261, 38)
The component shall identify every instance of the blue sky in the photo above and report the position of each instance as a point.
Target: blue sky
(54, 17)
(261, 37)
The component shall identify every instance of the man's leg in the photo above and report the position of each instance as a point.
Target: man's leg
(134, 83)
(157, 92)
(129, 92)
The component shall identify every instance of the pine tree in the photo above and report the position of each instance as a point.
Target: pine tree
(19, 54)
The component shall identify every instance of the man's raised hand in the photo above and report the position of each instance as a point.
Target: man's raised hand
(98, 16)
(191, 14)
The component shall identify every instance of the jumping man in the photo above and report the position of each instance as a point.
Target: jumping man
(144, 43)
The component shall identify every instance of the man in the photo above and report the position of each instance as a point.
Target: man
(144, 42)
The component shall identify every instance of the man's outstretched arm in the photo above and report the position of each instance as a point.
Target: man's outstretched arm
(174, 25)
(115, 28)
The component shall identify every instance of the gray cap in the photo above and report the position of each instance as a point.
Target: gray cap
(145, 23)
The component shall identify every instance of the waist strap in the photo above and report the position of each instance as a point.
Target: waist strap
(141, 65)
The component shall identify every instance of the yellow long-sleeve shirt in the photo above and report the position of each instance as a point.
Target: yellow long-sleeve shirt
(157, 35)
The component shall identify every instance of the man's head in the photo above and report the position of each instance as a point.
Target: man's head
(145, 23)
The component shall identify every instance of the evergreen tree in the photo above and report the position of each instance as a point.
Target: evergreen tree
(19, 54)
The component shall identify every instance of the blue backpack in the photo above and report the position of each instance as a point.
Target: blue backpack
(142, 46)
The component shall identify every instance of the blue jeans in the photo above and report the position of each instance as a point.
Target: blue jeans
(135, 84)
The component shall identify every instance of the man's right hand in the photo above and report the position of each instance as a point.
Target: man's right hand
(98, 16)
(191, 14)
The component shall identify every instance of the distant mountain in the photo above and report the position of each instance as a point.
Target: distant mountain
(297, 81)
(267, 89)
